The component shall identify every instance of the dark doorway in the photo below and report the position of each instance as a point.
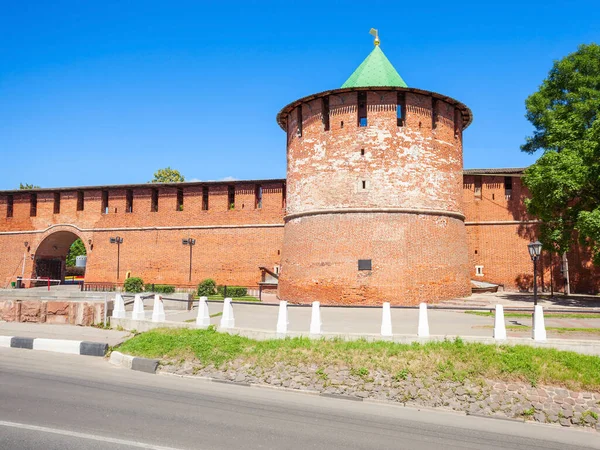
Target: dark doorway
(52, 260)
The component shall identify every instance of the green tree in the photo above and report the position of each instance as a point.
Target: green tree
(77, 249)
(167, 175)
(565, 181)
(28, 186)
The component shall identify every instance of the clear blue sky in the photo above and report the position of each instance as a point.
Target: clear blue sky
(108, 92)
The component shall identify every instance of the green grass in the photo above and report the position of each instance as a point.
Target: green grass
(245, 298)
(557, 329)
(451, 360)
(547, 315)
(220, 313)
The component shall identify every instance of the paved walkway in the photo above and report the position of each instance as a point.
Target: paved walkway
(69, 332)
(368, 321)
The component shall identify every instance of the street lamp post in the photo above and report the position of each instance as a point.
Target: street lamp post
(535, 250)
(117, 240)
(191, 242)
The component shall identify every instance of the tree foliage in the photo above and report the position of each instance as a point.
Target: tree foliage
(77, 249)
(167, 175)
(565, 181)
(28, 186)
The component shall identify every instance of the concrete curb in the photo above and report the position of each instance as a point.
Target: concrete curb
(55, 345)
(133, 362)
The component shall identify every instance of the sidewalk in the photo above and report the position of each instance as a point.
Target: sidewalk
(368, 321)
(67, 332)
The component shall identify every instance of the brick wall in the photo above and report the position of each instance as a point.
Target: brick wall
(230, 242)
(499, 229)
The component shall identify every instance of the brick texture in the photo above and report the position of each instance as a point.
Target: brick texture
(355, 192)
(231, 243)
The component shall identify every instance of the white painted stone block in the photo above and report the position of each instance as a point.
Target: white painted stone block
(203, 319)
(423, 329)
(282, 318)
(57, 345)
(138, 308)
(539, 327)
(119, 308)
(386, 320)
(315, 319)
(5, 341)
(499, 324)
(227, 319)
(119, 359)
(158, 311)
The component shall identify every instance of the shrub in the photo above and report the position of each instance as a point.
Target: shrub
(233, 291)
(207, 287)
(133, 284)
(160, 288)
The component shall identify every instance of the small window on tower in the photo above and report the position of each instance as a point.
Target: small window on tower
(457, 123)
(129, 201)
(508, 187)
(57, 203)
(362, 152)
(205, 198)
(104, 202)
(230, 197)
(10, 202)
(477, 186)
(434, 114)
(179, 199)
(479, 271)
(80, 200)
(33, 205)
(258, 192)
(401, 110)
(325, 112)
(154, 200)
(362, 109)
(299, 119)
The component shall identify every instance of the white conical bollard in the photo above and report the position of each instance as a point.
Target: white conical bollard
(423, 330)
(138, 308)
(539, 328)
(203, 319)
(499, 325)
(282, 318)
(386, 320)
(227, 319)
(158, 312)
(315, 319)
(119, 307)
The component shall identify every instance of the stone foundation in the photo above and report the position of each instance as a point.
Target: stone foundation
(72, 313)
(513, 400)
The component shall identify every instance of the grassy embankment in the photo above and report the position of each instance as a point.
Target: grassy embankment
(454, 360)
(245, 298)
(560, 330)
(547, 315)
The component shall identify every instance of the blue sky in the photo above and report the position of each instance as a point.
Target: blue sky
(108, 92)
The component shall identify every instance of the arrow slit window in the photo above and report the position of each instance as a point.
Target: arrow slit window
(401, 110)
(362, 109)
(325, 113)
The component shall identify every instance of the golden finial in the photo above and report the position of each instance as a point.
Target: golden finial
(375, 33)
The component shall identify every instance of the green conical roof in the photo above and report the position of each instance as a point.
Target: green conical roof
(375, 70)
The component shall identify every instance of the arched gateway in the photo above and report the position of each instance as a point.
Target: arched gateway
(50, 257)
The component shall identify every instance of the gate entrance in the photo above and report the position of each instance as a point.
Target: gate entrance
(55, 259)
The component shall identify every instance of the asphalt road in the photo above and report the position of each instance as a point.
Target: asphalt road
(52, 401)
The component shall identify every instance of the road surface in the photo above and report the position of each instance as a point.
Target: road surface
(52, 401)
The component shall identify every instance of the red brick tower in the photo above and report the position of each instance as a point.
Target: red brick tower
(374, 186)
